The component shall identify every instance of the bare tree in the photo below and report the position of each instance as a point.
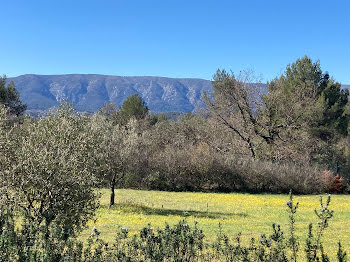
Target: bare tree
(236, 103)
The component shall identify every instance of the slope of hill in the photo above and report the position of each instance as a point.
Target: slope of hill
(90, 92)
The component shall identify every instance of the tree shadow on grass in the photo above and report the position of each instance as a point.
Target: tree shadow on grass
(130, 207)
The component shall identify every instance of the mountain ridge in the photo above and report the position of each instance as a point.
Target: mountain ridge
(89, 92)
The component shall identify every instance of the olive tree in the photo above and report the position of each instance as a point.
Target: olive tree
(3, 136)
(45, 171)
(117, 150)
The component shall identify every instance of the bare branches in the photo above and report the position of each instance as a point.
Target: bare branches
(235, 104)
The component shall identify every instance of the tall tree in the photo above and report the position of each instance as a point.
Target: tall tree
(302, 113)
(303, 95)
(234, 104)
(9, 97)
(303, 106)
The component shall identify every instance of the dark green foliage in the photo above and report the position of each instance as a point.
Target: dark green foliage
(133, 107)
(335, 120)
(35, 243)
(341, 254)
(156, 118)
(49, 168)
(178, 243)
(9, 97)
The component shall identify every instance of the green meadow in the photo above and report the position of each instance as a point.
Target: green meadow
(250, 214)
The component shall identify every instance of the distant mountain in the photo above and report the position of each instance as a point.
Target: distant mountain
(90, 92)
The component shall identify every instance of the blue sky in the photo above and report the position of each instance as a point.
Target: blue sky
(174, 38)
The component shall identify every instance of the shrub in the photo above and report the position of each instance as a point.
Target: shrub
(334, 183)
(199, 168)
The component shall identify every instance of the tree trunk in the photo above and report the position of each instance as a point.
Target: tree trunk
(251, 147)
(112, 199)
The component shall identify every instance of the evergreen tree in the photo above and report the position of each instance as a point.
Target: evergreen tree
(133, 106)
(9, 97)
(305, 111)
(335, 119)
(305, 97)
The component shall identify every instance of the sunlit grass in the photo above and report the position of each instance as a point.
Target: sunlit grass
(236, 212)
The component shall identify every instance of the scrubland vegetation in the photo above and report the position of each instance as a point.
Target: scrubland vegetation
(294, 137)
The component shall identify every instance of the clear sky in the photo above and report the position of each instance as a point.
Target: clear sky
(174, 38)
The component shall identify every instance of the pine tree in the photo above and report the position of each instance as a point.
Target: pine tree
(9, 97)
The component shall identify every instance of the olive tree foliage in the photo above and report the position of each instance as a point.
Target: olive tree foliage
(3, 119)
(117, 150)
(110, 112)
(3, 136)
(45, 171)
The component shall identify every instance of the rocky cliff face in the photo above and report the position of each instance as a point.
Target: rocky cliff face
(90, 92)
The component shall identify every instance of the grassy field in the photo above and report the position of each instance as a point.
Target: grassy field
(236, 212)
